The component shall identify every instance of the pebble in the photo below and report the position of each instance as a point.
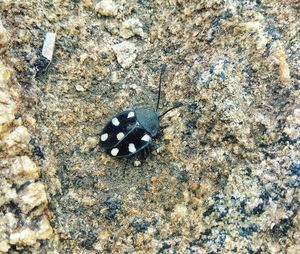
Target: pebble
(23, 237)
(107, 8)
(137, 163)
(10, 220)
(131, 27)
(27, 236)
(79, 88)
(4, 246)
(16, 140)
(126, 53)
(7, 193)
(24, 169)
(45, 230)
(32, 196)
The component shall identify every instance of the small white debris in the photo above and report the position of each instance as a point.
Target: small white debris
(114, 151)
(79, 88)
(131, 148)
(115, 121)
(11, 220)
(107, 8)
(131, 27)
(90, 143)
(126, 53)
(48, 47)
(137, 163)
(104, 137)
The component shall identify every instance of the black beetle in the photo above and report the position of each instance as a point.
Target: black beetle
(132, 131)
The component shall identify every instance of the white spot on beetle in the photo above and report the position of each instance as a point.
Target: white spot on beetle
(114, 151)
(115, 121)
(130, 114)
(104, 137)
(131, 148)
(120, 135)
(146, 138)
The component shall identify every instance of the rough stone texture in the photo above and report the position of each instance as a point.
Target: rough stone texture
(24, 169)
(33, 195)
(7, 105)
(225, 177)
(28, 225)
(126, 53)
(3, 35)
(131, 27)
(27, 236)
(107, 8)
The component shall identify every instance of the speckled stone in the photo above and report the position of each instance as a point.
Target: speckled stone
(126, 53)
(224, 175)
(7, 104)
(3, 35)
(107, 8)
(19, 227)
(131, 27)
(27, 236)
(32, 196)
(24, 169)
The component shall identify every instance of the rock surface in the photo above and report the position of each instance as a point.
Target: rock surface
(107, 8)
(225, 177)
(23, 220)
(126, 53)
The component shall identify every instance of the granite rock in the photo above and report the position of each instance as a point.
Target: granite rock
(32, 196)
(223, 177)
(126, 53)
(24, 169)
(107, 8)
(131, 27)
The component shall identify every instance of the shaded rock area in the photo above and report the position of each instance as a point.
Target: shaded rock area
(225, 174)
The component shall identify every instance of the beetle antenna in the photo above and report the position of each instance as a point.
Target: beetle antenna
(177, 105)
(163, 68)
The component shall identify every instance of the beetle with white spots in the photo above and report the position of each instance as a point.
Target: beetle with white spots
(132, 131)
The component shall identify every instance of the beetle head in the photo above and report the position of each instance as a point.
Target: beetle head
(148, 119)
